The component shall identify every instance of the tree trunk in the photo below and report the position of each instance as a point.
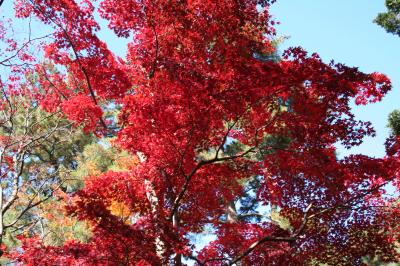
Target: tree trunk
(231, 212)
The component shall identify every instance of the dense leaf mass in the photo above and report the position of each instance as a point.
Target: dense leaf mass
(222, 137)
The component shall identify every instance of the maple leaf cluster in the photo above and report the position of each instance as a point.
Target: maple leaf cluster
(222, 132)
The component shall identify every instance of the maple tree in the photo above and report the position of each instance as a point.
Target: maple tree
(221, 134)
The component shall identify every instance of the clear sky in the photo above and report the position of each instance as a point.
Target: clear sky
(343, 30)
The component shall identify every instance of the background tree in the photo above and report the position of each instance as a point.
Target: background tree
(37, 152)
(390, 20)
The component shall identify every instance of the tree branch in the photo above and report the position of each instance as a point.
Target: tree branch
(194, 171)
(300, 230)
(154, 66)
(83, 69)
(273, 239)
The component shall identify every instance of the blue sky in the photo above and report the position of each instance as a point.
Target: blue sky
(343, 30)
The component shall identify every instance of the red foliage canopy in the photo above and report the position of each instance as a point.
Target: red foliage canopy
(218, 124)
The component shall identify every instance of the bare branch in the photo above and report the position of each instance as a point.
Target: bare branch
(15, 186)
(31, 204)
(352, 199)
(3, 62)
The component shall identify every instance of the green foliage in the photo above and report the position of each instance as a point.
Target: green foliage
(55, 227)
(97, 158)
(272, 144)
(390, 20)
(54, 145)
(394, 122)
(377, 262)
(93, 160)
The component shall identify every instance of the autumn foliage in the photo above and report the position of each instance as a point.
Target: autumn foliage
(220, 135)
